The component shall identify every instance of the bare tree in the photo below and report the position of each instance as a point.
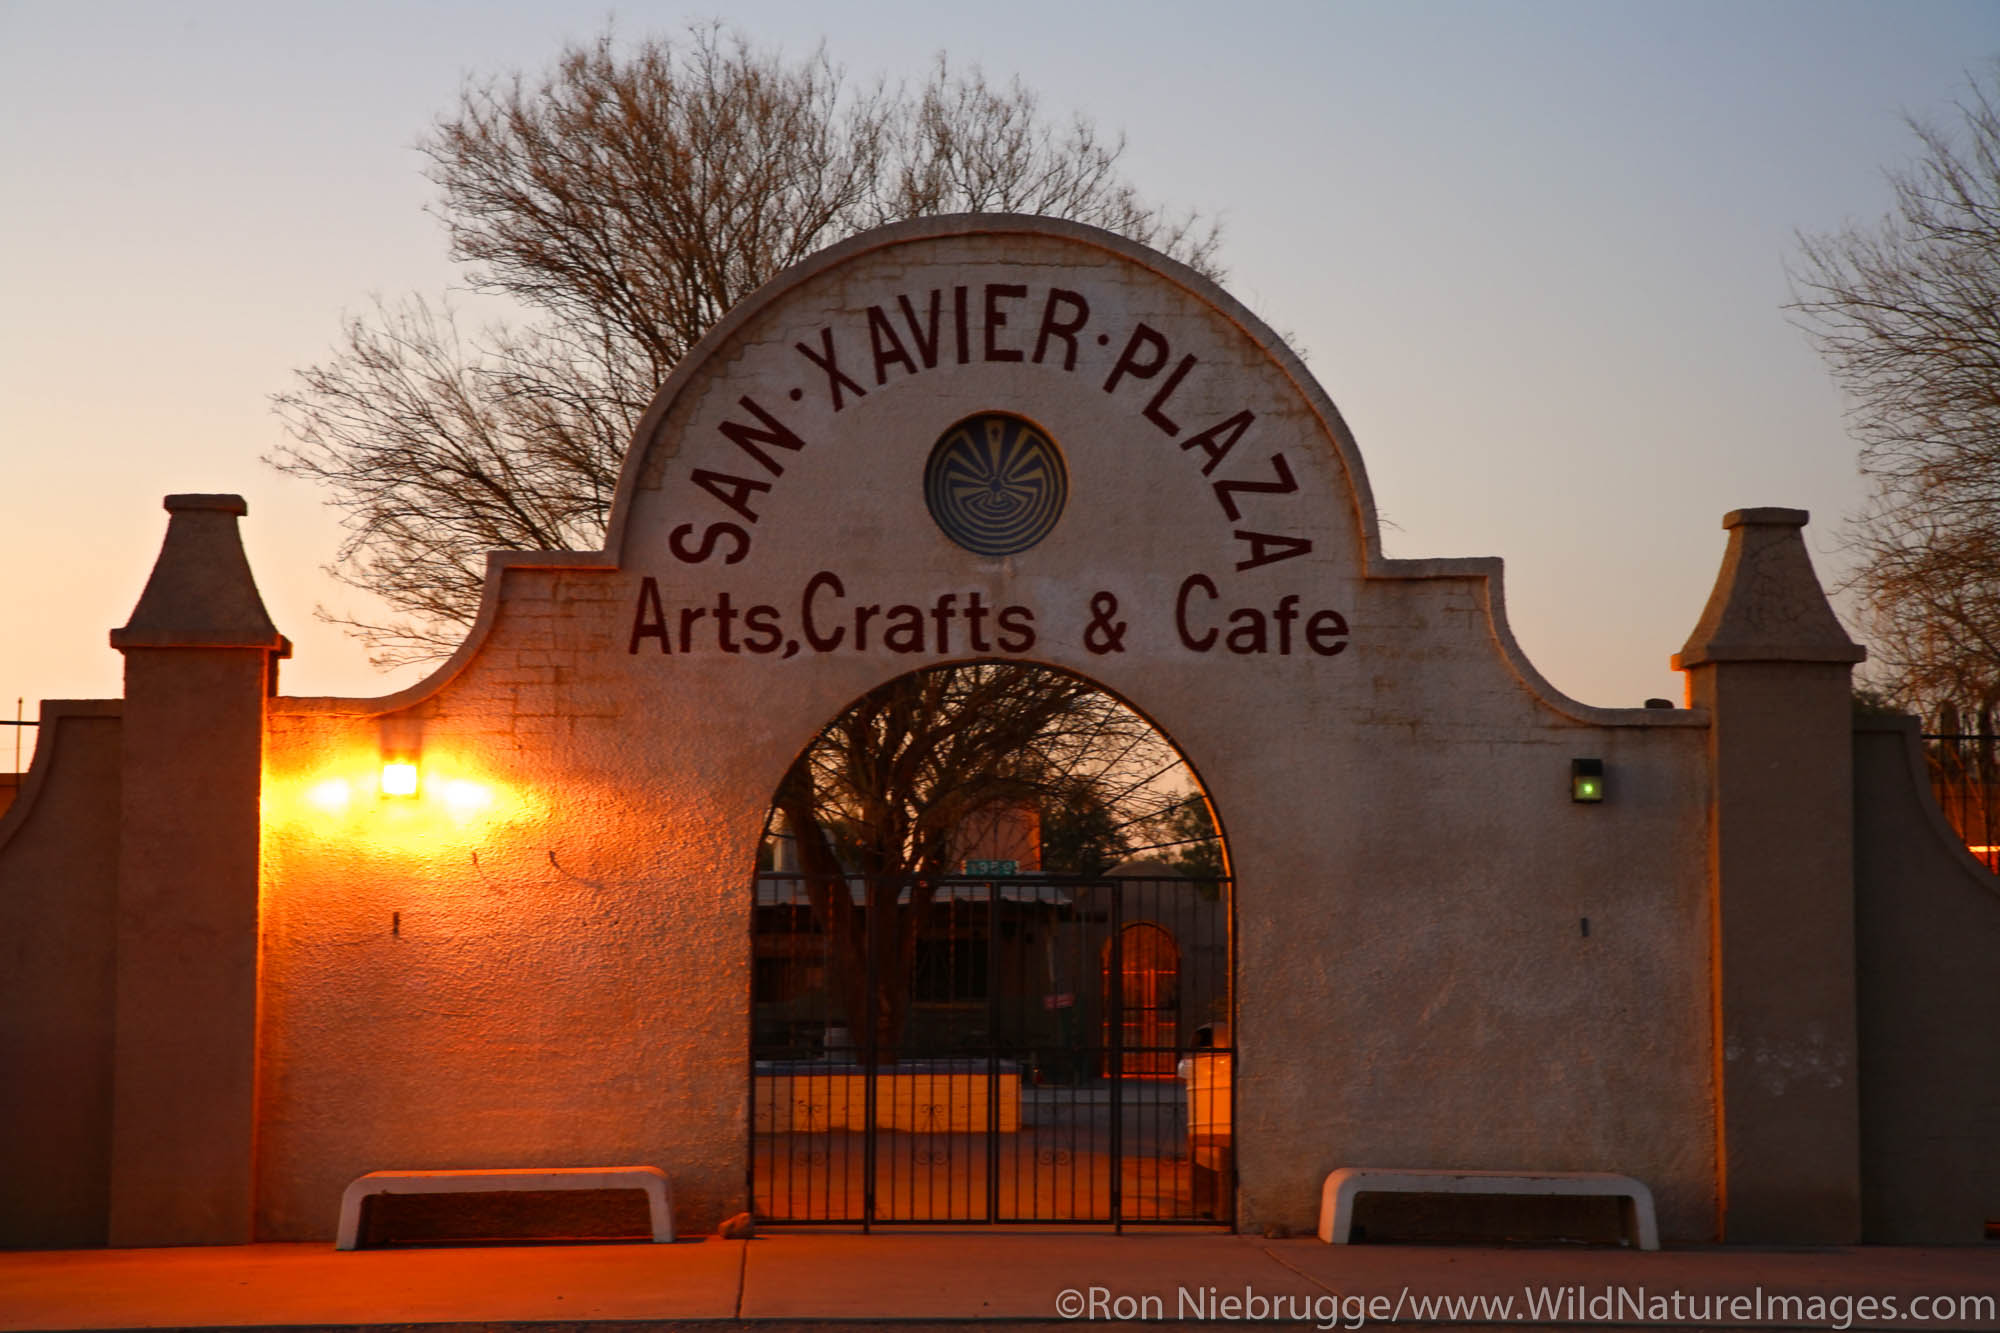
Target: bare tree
(624, 201)
(877, 799)
(1907, 315)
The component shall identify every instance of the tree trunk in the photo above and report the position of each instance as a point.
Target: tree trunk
(880, 940)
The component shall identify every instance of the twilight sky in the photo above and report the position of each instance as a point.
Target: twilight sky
(1535, 253)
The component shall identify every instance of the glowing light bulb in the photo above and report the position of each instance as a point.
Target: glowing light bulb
(399, 778)
(1586, 780)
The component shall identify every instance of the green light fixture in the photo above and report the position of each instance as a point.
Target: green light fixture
(1586, 780)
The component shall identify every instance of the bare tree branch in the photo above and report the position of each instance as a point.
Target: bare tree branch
(625, 201)
(884, 791)
(1907, 316)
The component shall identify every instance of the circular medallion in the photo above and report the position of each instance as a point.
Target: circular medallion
(995, 484)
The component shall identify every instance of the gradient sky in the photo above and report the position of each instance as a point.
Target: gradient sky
(1535, 253)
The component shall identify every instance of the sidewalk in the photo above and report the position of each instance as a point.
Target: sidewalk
(1021, 1278)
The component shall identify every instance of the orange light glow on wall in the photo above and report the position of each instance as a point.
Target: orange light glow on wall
(382, 802)
(465, 797)
(332, 795)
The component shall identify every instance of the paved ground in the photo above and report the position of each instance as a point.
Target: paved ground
(1024, 1279)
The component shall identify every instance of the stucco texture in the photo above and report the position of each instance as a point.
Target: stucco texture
(554, 968)
(1927, 918)
(58, 905)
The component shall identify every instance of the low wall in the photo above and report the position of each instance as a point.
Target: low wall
(1927, 932)
(58, 898)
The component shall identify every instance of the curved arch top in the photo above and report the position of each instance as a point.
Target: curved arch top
(1003, 310)
(1206, 466)
(1211, 489)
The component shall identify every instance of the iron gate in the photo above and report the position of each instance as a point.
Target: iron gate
(1045, 1050)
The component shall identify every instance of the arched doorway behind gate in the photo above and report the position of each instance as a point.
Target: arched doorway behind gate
(992, 928)
(1143, 965)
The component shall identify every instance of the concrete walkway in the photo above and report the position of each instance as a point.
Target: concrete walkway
(1022, 1278)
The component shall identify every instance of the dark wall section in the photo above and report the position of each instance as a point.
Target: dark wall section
(58, 899)
(1927, 918)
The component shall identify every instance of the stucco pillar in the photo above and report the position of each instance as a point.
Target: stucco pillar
(199, 652)
(1772, 665)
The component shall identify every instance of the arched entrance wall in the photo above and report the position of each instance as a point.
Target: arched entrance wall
(554, 968)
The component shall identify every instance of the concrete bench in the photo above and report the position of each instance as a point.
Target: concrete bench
(650, 1179)
(1336, 1200)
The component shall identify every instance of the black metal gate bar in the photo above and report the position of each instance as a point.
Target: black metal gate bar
(870, 1034)
(995, 970)
(1062, 1056)
(1114, 1025)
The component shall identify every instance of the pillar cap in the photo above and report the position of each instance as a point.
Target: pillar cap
(189, 503)
(201, 593)
(1762, 516)
(1767, 604)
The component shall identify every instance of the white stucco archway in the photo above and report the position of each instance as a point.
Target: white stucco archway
(1373, 731)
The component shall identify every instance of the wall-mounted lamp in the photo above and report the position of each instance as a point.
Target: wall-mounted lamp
(1586, 780)
(402, 740)
(399, 777)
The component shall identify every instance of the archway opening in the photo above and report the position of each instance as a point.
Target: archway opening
(991, 947)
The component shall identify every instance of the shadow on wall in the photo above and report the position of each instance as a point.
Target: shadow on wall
(1930, 1064)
